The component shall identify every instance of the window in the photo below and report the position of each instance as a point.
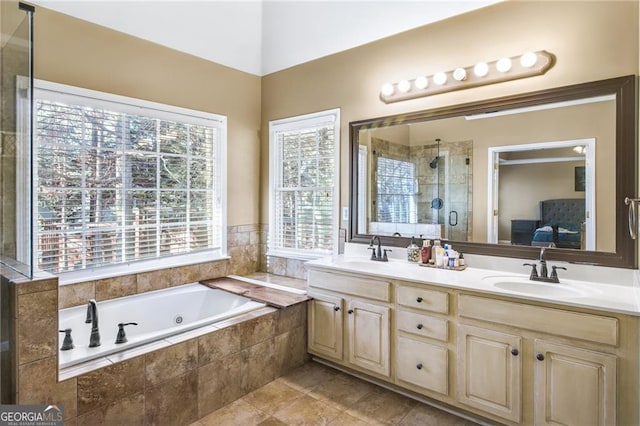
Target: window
(121, 180)
(397, 188)
(304, 184)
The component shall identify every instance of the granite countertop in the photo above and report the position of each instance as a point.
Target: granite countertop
(619, 297)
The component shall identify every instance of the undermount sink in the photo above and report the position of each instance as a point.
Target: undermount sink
(362, 262)
(536, 288)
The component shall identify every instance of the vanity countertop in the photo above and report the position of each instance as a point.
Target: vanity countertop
(621, 298)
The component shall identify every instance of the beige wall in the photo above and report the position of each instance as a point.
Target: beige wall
(591, 40)
(75, 52)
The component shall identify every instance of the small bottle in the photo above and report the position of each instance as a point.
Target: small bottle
(461, 260)
(413, 251)
(425, 253)
(438, 253)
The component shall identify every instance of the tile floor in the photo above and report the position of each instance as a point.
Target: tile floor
(314, 394)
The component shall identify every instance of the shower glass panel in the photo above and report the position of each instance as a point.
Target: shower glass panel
(16, 138)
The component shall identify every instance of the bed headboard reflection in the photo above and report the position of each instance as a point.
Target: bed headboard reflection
(563, 210)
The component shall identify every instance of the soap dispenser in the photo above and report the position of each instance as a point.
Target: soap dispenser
(413, 251)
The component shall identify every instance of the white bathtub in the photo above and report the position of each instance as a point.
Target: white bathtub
(159, 314)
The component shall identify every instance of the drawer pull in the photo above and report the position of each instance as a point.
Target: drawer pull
(336, 308)
(350, 311)
(540, 357)
(419, 326)
(514, 352)
(419, 299)
(419, 366)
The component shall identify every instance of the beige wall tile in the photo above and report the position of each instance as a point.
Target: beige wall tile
(125, 411)
(38, 384)
(171, 362)
(219, 383)
(173, 402)
(155, 280)
(102, 387)
(215, 269)
(238, 239)
(291, 317)
(111, 288)
(184, 275)
(291, 350)
(258, 365)
(257, 330)
(76, 294)
(37, 320)
(36, 286)
(218, 344)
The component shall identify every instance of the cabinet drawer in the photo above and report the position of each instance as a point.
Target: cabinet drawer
(370, 288)
(422, 364)
(593, 328)
(421, 298)
(422, 325)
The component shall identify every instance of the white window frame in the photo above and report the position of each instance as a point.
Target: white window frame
(296, 123)
(69, 94)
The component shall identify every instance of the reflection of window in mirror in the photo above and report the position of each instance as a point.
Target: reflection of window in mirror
(396, 191)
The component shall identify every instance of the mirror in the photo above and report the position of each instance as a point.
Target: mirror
(488, 175)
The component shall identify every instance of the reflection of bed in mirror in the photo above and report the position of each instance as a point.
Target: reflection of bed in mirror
(561, 223)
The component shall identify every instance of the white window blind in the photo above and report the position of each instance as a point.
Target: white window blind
(122, 180)
(304, 179)
(397, 188)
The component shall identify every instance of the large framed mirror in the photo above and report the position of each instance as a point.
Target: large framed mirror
(504, 176)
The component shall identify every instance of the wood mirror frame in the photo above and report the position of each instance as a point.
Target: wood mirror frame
(625, 255)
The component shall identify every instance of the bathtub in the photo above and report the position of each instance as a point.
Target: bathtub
(159, 314)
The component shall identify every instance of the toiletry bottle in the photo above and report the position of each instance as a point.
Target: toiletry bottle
(425, 253)
(461, 260)
(438, 250)
(413, 251)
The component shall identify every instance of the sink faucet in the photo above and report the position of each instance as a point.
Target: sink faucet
(379, 255)
(92, 317)
(544, 277)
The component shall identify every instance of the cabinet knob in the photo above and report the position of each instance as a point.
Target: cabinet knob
(514, 352)
(540, 357)
(419, 326)
(350, 311)
(419, 300)
(336, 308)
(419, 366)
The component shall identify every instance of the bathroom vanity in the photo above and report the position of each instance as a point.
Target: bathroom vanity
(486, 342)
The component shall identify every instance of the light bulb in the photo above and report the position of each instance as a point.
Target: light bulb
(459, 74)
(421, 82)
(503, 65)
(387, 89)
(404, 86)
(481, 69)
(528, 60)
(440, 78)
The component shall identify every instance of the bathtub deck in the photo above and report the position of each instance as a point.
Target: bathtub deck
(273, 297)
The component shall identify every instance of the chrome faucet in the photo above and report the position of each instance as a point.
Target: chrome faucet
(544, 277)
(379, 255)
(92, 317)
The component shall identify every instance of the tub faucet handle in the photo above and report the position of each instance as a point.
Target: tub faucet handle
(67, 343)
(122, 337)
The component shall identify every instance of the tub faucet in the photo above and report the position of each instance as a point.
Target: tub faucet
(92, 317)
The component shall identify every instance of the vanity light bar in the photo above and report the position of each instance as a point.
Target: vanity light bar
(527, 65)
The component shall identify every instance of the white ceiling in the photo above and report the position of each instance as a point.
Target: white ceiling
(261, 37)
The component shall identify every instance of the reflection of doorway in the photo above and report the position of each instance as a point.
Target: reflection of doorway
(543, 156)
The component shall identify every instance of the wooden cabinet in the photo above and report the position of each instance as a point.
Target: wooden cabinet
(325, 326)
(422, 364)
(490, 371)
(368, 334)
(573, 386)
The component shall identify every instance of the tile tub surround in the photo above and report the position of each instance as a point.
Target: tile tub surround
(180, 383)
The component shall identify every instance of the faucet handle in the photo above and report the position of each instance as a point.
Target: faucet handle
(384, 256)
(122, 337)
(373, 253)
(534, 270)
(554, 273)
(67, 343)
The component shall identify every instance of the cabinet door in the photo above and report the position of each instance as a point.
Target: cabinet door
(489, 371)
(325, 327)
(573, 386)
(368, 336)
(422, 364)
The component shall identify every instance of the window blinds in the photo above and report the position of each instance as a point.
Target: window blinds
(397, 188)
(115, 187)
